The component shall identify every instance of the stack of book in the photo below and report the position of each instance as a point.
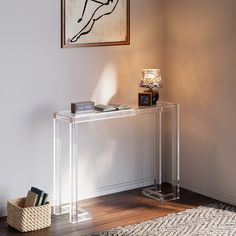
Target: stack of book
(35, 197)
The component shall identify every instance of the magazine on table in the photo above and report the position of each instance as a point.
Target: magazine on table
(111, 107)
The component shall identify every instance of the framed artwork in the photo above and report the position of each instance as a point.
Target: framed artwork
(95, 23)
(145, 99)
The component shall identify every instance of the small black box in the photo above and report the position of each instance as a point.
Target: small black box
(81, 106)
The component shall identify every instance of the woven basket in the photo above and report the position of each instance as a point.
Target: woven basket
(29, 218)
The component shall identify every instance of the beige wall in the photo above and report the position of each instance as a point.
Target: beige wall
(201, 76)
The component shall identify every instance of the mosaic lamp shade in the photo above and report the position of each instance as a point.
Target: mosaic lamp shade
(151, 79)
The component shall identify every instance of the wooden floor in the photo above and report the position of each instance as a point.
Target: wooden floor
(114, 210)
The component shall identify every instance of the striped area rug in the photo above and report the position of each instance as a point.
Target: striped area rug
(214, 219)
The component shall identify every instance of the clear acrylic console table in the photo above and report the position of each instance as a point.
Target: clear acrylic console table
(157, 191)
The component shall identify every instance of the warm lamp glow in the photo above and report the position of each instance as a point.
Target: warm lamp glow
(151, 78)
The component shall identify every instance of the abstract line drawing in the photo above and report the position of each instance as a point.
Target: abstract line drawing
(98, 13)
(87, 23)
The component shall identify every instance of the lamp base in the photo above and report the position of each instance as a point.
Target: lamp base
(155, 95)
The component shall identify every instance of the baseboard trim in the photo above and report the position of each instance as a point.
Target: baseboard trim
(117, 187)
(3, 212)
(212, 193)
(126, 185)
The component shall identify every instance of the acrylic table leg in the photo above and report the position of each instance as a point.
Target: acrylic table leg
(155, 164)
(76, 213)
(73, 173)
(171, 190)
(155, 191)
(159, 150)
(56, 169)
(177, 148)
(175, 151)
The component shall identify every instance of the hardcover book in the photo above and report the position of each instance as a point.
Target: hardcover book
(111, 107)
(31, 199)
(120, 106)
(45, 196)
(40, 195)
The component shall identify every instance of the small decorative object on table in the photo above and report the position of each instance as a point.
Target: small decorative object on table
(26, 214)
(145, 99)
(81, 106)
(151, 78)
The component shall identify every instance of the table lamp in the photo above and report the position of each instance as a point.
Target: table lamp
(151, 78)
